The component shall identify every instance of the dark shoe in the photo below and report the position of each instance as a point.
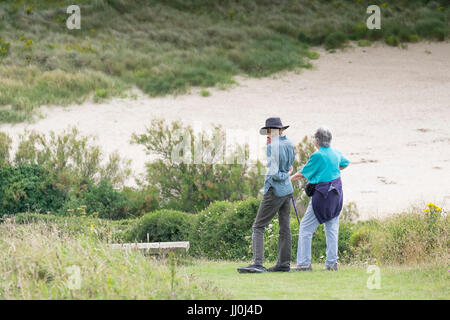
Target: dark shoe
(253, 268)
(307, 267)
(279, 269)
(333, 267)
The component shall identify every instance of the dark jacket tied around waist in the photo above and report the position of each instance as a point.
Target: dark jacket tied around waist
(327, 200)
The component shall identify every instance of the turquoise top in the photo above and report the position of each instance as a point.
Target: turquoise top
(280, 156)
(323, 165)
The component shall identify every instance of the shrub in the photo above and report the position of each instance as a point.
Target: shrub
(28, 187)
(335, 40)
(223, 230)
(142, 199)
(72, 158)
(161, 225)
(103, 200)
(100, 94)
(190, 171)
(5, 147)
(362, 240)
(318, 245)
(393, 40)
(414, 38)
(4, 48)
(205, 93)
(303, 151)
(349, 212)
(431, 27)
(412, 238)
(364, 43)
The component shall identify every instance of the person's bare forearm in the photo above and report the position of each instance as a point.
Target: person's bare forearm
(296, 176)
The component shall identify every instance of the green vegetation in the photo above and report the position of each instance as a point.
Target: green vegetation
(205, 93)
(223, 231)
(160, 226)
(211, 205)
(40, 262)
(165, 47)
(61, 173)
(193, 170)
(364, 43)
(60, 198)
(428, 281)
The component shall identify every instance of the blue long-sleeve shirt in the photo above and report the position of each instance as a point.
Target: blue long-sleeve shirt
(280, 156)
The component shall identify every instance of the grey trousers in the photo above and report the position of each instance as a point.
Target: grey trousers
(269, 206)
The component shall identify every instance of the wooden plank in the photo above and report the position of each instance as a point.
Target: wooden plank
(154, 247)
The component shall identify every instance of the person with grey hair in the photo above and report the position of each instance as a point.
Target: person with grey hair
(323, 172)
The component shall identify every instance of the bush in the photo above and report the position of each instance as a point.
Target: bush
(364, 43)
(431, 27)
(412, 238)
(72, 158)
(335, 40)
(318, 245)
(28, 187)
(5, 147)
(191, 170)
(223, 230)
(102, 200)
(393, 40)
(162, 225)
(142, 199)
(303, 150)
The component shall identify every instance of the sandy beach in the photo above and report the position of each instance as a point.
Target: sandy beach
(388, 109)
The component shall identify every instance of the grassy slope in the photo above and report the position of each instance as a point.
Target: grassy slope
(168, 46)
(397, 282)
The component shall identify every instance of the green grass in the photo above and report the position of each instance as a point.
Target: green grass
(166, 47)
(205, 93)
(350, 282)
(364, 43)
(34, 259)
(34, 262)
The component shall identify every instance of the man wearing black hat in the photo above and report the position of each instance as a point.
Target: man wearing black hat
(277, 194)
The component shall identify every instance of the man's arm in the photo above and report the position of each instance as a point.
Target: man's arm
(297, 176)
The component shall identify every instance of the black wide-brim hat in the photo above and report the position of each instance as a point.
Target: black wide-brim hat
(272, 123)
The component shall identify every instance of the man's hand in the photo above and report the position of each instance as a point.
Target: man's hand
(296, 176)
(269, 140)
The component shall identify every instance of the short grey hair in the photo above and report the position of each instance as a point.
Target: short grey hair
(323, 136)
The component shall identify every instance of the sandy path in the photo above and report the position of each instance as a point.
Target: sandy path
(388, 108)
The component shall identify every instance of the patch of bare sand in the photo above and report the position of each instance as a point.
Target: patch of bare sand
(388, 108)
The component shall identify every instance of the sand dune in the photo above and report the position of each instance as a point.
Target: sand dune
(389, 110)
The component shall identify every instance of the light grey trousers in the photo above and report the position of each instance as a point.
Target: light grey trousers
(269, 206)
